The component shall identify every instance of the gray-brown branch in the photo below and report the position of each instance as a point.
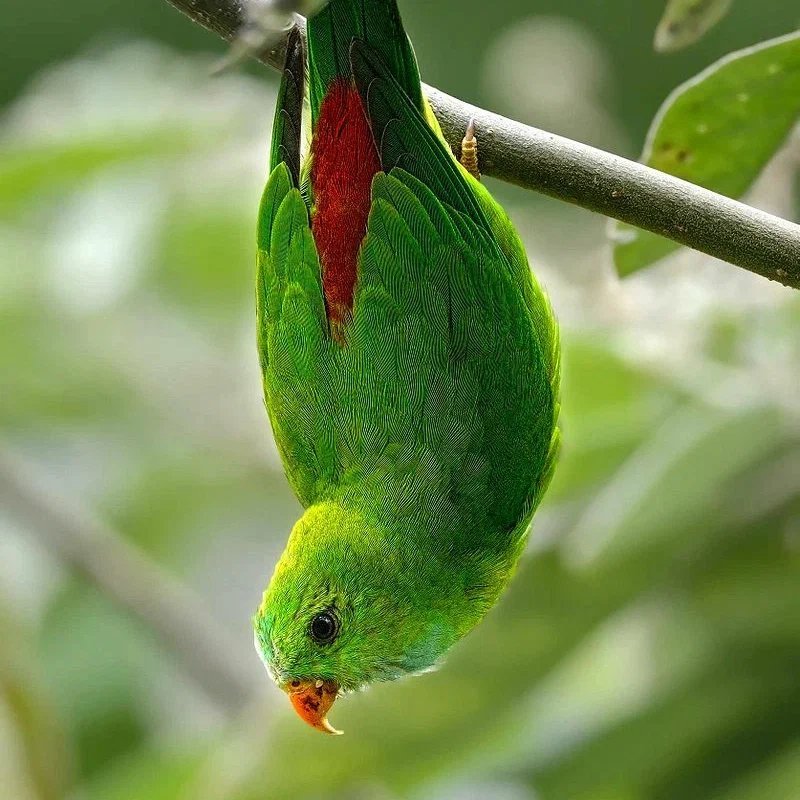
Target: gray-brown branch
(588, 177)
(126, 575)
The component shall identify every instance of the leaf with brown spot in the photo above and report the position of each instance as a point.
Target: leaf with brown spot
(719, 130)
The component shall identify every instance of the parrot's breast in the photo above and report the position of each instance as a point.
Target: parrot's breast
(344, 163)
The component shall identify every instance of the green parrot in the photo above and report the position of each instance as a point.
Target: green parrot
(411, 371)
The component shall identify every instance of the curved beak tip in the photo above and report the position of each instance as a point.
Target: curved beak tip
(312, 700)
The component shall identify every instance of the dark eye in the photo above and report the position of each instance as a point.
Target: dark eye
(324, 627)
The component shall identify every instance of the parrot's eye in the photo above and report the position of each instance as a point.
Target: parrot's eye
(324, 627)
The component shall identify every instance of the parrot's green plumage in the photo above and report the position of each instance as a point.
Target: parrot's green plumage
(411, 369)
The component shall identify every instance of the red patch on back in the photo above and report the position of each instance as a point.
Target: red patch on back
(344, 162)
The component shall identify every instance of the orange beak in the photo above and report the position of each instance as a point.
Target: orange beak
(312, 700)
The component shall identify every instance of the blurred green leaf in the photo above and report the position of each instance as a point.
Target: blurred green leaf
(101, 655)
(204, 252)
(54, 380)
(609, 406)
(656, 753)
(686, 21)
(777, 780)
(195, 496)
(149, 773)
(29, 171)
(735, 705)
(719, 130)
(43, 747)
(676, 478)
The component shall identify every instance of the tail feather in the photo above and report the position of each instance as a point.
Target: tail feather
(376, 22)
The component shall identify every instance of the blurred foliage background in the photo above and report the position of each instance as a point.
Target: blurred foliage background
(649, 648)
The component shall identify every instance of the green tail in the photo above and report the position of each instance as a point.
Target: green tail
(375, 22)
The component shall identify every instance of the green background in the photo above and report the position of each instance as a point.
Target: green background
(649, 648)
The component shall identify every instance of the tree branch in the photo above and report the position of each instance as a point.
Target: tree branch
(588, 177)
(126, 575)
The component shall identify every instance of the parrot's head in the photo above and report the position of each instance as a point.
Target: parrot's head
(349, 604)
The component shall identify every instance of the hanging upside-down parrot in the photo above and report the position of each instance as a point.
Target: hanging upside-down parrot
(411, 371)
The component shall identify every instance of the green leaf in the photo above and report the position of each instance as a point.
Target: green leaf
(40, 758)
(775, 781)
(94, 686)
(149, 772)
(684, 741)
(608, 407)
(719, 130)
(656, 753)
(686, 21)
(29, 170)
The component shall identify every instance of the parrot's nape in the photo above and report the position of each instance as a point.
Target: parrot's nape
(411, 370)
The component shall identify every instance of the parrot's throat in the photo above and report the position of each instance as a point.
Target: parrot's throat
(345, 161)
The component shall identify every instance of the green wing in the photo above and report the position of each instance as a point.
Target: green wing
(286, 133)
(292, 335)
(459, 378)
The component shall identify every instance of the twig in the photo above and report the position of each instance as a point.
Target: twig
(628, 191)
(126, 575)
(588, 177)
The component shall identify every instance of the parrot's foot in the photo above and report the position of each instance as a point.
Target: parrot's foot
(469, 151)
